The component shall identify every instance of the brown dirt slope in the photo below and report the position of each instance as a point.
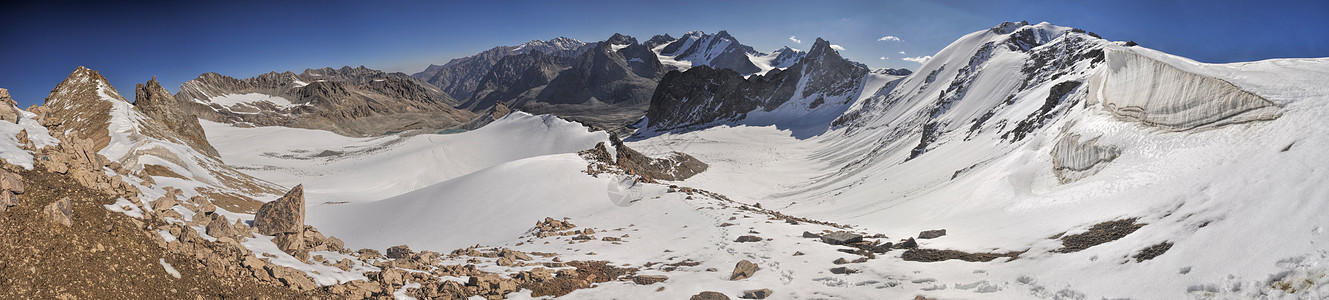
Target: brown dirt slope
(105, 255)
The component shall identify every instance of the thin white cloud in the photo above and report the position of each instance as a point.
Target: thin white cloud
(837, 47)
(889, 38)
(918, 59)
(792, 38)
(885, 58)
(902, 53)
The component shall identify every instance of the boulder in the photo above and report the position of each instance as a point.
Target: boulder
(841, 238)
(748, 239)
(284, 215)
(399, 251)
(202, 205)
(344, 264)
(744, 269)
(219, 227)
(843, 270)
(811, 235)
(164, 203)
(756, 294)
(11, 182)
(293, 244)
(932, 234)
(7, 200)
(649, 279)
(61, 212)
(908, 244)
(709, 295)
(291, 277)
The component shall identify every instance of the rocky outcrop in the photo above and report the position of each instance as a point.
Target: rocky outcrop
(677, 166)
(704, 95)
(8, 108)
(349, 101)
(154, 101)
(286, 215)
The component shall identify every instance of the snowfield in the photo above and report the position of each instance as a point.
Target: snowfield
(1233, 187)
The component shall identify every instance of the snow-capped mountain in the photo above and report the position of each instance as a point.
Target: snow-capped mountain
(460, 77)
(719, 51)
(779, 59)
(350, 101)
(805, 96)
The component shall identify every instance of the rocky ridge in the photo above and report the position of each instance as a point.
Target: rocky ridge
(349, 101)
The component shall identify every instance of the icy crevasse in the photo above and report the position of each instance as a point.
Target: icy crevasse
(1142, 89)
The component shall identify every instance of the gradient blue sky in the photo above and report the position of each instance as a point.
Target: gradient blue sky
(41, 42)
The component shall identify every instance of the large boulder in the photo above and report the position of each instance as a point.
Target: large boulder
(284, 215)
(743, 270)
(399, 251)
(709, 295)
(841, 238)
(219, 227)
(931, 234)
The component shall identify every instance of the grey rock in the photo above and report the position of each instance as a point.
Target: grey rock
(400, 251)
(841, 238)
(932, 234)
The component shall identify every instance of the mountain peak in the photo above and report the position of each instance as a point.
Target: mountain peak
(621, 39)
(1008, 27)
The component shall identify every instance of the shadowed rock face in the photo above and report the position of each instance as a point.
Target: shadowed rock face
(516, 77)
(606, 87)
(348, 101)
(705, 95)
(155, 102)
(463, 76)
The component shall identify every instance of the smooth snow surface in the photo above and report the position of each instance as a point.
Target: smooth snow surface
(336, 168)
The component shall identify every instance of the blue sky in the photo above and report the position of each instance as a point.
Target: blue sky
(41, 42)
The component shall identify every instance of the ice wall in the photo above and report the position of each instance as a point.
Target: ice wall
(1072, 160)
(1145, 90)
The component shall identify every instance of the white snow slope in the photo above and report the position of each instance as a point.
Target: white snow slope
(1240, 200)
